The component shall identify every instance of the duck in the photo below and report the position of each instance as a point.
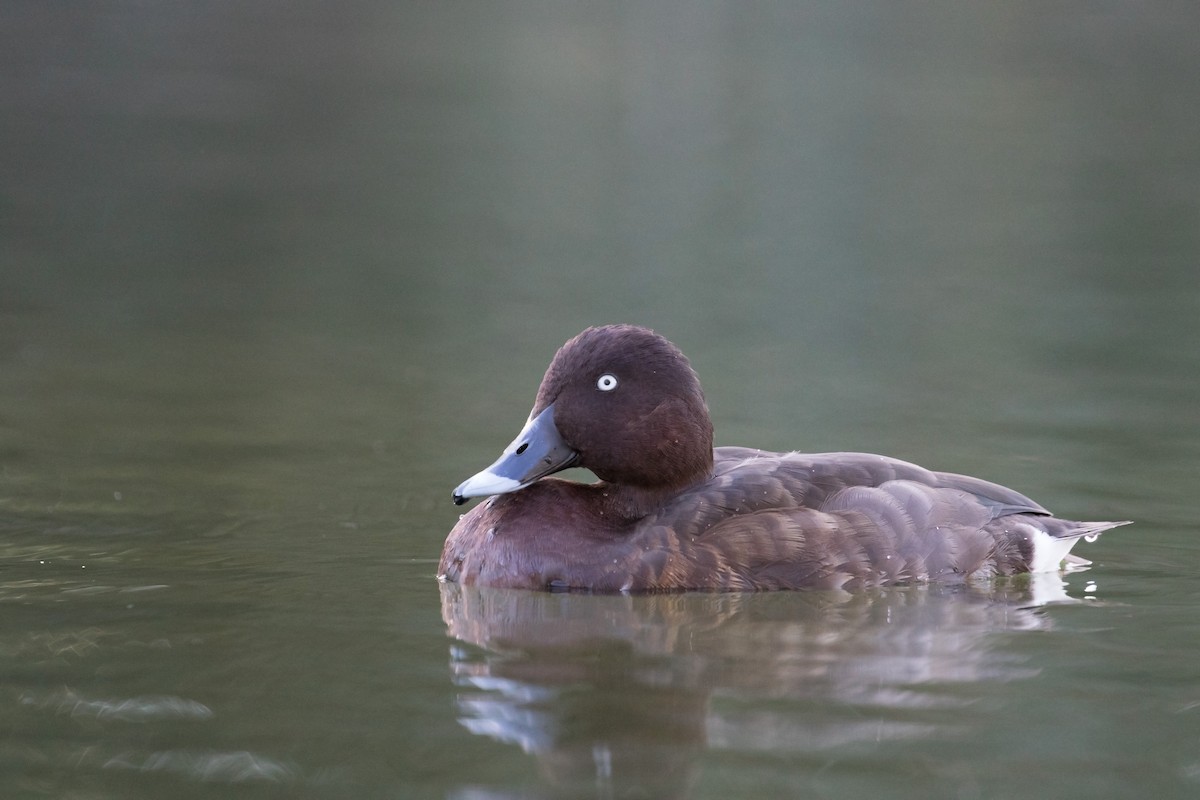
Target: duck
(669, 512)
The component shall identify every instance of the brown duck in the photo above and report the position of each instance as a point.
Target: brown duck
(670, 512)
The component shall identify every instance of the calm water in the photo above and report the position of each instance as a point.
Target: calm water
(275, 277)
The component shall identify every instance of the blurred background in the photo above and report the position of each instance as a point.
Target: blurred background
(276, 276)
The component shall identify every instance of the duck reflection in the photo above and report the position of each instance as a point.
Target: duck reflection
(620, 696)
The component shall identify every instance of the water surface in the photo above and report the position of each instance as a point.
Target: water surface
(274, 278)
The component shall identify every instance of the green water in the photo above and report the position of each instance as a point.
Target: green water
(274, 278)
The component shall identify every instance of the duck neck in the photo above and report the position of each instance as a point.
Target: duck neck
(625, 503)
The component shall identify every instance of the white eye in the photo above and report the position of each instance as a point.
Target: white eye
(607, 382)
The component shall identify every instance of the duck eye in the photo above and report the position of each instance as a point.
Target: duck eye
(607, 382)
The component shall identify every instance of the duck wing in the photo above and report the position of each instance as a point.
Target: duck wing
(834, 520)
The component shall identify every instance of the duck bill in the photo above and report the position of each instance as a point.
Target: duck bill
(538, 451)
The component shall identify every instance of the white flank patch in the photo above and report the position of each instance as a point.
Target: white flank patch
(1048, 552)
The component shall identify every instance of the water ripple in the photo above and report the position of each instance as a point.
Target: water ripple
(147, 708)
(234, 767)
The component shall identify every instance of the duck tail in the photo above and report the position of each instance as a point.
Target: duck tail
(1053, 539)
(1088, 531)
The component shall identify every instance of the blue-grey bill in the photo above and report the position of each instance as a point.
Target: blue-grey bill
(538, 451)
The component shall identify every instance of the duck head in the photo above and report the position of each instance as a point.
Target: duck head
(621, 401)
